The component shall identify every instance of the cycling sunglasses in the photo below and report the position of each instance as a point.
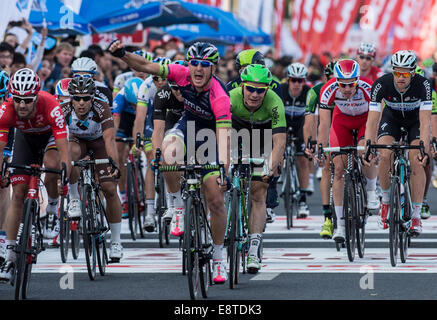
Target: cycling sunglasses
(403, 74)
(350, 84)
(203, 63)
(26, 100)
(368, 58)
(252, 89)
(298, 80)
(84, 98)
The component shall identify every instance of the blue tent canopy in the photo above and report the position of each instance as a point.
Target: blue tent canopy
(230, 31)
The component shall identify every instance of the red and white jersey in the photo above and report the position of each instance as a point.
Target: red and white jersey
(358, 104)
(48, 118)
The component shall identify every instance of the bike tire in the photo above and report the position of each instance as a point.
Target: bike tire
(88, 227)
(349, 216)
(394, 219)
(205, 247)
(24, 256)
(141, 214)
(102, 254)
(64, 232)
(232, 237)
(191, 243)
(361, 216)
(287, 195)
(404, 237)
(132, 200)
(75, 241)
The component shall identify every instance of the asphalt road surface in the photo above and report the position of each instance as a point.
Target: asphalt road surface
(297, 265)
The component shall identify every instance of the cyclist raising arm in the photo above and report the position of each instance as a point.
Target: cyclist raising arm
(207, 105)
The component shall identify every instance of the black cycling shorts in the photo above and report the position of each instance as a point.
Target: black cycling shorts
(391, 125)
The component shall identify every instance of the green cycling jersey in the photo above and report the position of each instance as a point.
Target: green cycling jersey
(271, 114)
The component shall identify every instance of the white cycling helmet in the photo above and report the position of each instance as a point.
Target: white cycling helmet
(404, 59)
(297, 70)
(84, 64)
(24, 82)
(367, 49)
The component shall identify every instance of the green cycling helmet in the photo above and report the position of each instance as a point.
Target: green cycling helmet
(256, 73)
(419, 71)
(250, 56)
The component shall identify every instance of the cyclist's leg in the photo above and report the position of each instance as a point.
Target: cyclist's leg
(303, 166)
(417, 187)
(113, 204)
(256, 223)
(77, 151)
(149, 222)
(214, 199)
(425, 212)
(325, 188)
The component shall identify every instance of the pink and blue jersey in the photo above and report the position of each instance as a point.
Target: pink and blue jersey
(210, 107)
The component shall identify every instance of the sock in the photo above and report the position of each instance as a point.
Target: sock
(52, 205)
(255, 241)
(123, 196)
(10, 253)
(417, 207)
(326, 209)
(371, 184)
(386, 195)
(170, 200)
(74, 191)
(177, 199)
(217, 253)
(115, 232)
(303, 195)
(150, 207)
(339, 215)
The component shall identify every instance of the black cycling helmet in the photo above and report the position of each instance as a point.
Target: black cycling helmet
(250, 56)
(203, 51)
(82, 85)
(329, 70)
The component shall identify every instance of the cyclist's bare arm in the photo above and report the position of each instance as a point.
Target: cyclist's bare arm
(135, 61)
(324, 126)
(224, 144)
(64, 154)
(158, 134)
(140, 118)
(279, 141)
(425, 123)
(2, 147)
(109, 139)
(117, 119)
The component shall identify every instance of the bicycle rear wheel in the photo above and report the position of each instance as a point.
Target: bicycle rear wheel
(349, 215)
(394, 220)
(191, 243)
(404, 236)
(64, 232)
(205, 248)
(141, 212)
(23, 250)
(88, 227)
(75, 238)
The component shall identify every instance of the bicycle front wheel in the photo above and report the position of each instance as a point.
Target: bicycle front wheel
(287, 194)
(88, 227)
(102, 254)
(349, 215)
(191, 244)
(24, 251)
(394, 220)
(233, 238)
(64, 232)
(361, 219)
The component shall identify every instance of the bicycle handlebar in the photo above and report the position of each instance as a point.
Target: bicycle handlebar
(395, 147)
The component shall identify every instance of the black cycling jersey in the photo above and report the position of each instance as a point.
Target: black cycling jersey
(167, 107)
(294, 107)
(235, 83)
(417, 97)
(104, 93)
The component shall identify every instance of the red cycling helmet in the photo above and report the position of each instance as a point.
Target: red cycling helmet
(62, 88)
(346, 69)
(24, 82)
